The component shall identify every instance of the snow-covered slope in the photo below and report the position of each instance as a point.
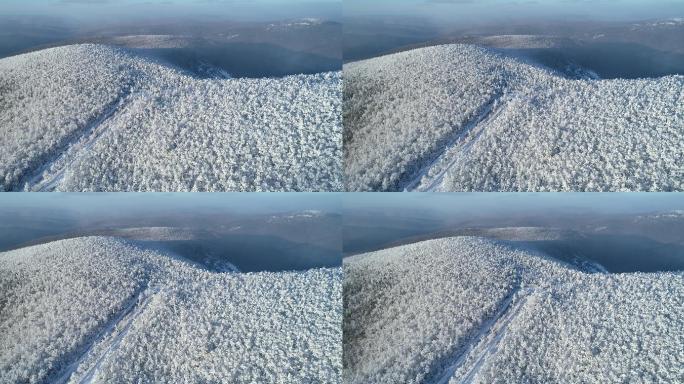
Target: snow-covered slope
(103, 309)
(468, 309)
(467, 118)
(99, 118)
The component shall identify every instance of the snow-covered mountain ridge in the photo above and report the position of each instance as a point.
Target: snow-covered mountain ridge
(476, 310)
(102, 309)
(98, 118)
(467, 118)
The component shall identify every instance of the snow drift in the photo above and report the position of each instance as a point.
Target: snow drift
(468, 118)
(98, 118)
(468, 309)
(100, 309)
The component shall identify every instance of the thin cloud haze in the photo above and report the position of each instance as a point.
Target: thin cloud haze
(84, 12)
(470, 12)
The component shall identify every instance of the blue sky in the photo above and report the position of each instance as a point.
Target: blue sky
(238, 9)
(475, 11)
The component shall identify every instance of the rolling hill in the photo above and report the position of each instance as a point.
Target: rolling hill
(461, 117)
(100, 118)
(476, 310)
(104, 309)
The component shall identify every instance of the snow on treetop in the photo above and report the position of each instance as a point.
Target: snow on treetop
(98, 118)
(468, 309)
(105, 309)
(467, 118)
